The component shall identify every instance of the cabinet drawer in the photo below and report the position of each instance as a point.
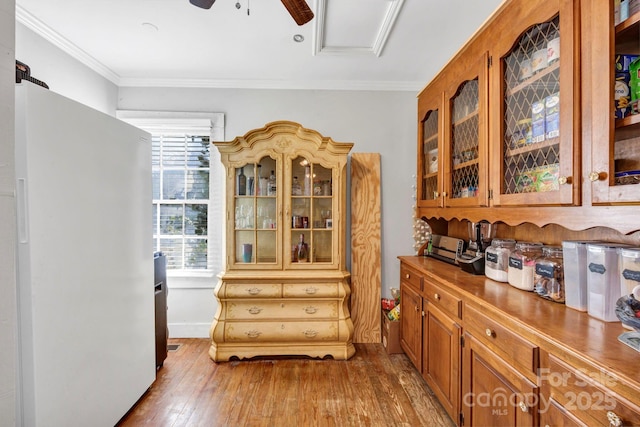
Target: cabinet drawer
(251, 290)
(299, 332)
(302, 290)
(514, 349)
(411, 277)
(443, 299)
(281, 309)
(590, 401)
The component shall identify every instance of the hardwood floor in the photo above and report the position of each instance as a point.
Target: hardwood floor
(370, 389)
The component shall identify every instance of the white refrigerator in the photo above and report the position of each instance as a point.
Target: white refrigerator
(85, 262)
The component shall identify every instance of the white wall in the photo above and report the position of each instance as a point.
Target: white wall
(381, 122)
(8, 319)
(64, 74)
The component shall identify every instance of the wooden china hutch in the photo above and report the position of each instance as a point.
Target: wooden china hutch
(285, 289)
(518, 129)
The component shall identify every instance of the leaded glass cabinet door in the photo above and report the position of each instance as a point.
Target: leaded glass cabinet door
(254, 215)
(534, 79)
(430, 171)
(310, 192)
(466, 136)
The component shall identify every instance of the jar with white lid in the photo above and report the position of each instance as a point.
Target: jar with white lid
(496, 260)
(522, 265)
(549, 274)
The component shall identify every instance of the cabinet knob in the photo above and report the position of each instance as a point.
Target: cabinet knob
(564, 180)
(523, 407)
(595, 176)
(436, 296)
(436, 194)
(614, 419)
(407, 276)
(416, 308)
(489, 332)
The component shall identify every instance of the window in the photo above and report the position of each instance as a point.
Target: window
(181, 199)
(187, 187)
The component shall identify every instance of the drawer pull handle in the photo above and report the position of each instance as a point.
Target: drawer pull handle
(489, 332)
(310, 333)
(614, 419)
(407, 276)
(254, 291)
(437, 296)
(311, 290)
(253, 334)
(310, 310)
(523, 406)
(254, 310)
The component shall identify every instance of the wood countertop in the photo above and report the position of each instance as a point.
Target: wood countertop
(568, 333)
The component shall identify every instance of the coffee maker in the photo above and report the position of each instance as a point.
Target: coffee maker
(480, 236)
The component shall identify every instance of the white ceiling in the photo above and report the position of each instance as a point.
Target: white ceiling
(350, 44)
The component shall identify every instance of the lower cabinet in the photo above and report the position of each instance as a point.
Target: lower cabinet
(441, 357)
(489, 368)
(411, 326)
(583, 395)
(493, 392)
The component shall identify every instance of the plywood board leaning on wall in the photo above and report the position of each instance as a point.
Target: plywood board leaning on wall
(365, 247)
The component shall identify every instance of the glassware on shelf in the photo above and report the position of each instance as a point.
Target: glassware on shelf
(272, 186)
(296, 188)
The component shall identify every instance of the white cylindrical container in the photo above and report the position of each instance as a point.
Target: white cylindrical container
(496, 260)
(575, 273)
(522, 265)
(603, 280)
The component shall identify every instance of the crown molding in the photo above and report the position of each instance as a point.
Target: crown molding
(274, 84)
(37, 26)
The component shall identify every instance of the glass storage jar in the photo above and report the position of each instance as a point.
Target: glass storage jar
(522, 265)
(549, 276)
(497, 259)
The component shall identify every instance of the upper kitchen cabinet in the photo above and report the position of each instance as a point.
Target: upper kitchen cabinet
(534, 84)
(430, 146)
(612, 137)
(465, 133)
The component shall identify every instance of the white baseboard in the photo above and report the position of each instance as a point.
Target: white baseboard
(189, 330)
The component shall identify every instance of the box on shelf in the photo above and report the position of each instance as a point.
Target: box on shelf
(622, 95)
(552, 115)
(623, 61)
(390, 334)
(537, 121)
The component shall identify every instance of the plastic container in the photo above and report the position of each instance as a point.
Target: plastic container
(575, 273)
(497, 259)
(603, 280)
(549, 276)
(629, 267)
(522, 265)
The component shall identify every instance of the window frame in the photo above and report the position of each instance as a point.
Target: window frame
(193, 123)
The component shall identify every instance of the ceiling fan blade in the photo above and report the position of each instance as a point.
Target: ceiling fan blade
(205, 4)
(299, 10)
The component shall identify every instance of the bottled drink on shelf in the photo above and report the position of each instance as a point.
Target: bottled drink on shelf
(242, 183)
(302, 250)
